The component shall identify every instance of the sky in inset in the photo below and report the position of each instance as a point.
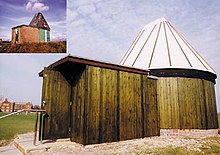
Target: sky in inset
(18, 12)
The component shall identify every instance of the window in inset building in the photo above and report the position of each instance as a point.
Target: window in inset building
(48, 36)
(41, 34)
(16, 35)
(44, 35)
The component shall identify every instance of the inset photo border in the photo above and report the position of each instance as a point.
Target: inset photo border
(33, 26)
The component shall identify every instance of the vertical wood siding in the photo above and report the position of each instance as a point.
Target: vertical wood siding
(108, 105)
(187, 103)
(56, 94)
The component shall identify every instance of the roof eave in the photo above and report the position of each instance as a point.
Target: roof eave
(95, 63)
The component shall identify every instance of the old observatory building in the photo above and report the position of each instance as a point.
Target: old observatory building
(37, 31)
(186, 93)
(93, 102)
(161, 83)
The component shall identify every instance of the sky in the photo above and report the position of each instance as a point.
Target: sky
(18, 12)
(103, 30)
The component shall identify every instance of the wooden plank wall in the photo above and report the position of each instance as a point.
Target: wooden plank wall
(187, 103)
(56, 94)
(110, 105)
(211, 110)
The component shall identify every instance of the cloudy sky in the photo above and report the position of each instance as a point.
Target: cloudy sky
(103, 30)
(17, 12)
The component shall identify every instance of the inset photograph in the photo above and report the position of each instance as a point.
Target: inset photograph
(33, 26)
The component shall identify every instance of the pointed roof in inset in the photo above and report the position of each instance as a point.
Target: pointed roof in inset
(39, 21)
(158, 46)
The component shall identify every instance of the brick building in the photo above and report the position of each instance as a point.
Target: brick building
(22, 105)
(8, 106)
(37, 31)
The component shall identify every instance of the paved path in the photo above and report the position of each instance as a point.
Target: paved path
(24, 143)
(9, 150)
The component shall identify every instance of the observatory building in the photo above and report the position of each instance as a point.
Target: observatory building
(91, 102)
(37, 31)
(186, 93)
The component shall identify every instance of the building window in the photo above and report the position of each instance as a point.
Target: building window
(16, 35)
(48, 36)
(44, 35)
(41, 35)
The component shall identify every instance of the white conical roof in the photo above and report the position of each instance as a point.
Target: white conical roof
(158, 45)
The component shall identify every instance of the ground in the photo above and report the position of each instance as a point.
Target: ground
(165, 145)
(50, 47)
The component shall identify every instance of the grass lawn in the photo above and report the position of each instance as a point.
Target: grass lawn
(22, 123)
(14, 125)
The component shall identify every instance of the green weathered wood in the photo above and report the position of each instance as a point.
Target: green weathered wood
(56, 104)
(186, 103)
(107, 105)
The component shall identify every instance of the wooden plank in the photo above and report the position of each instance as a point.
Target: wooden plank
(204, 106)
(210, 105)
(61, 106)
(166, 101)
(187, 98)
(169, 103)
(215, 114)
(86, 106)
(180, 97)
(131, 116)
(62, 103)
(101, 106)
(194, 103)
(109, 101)
(153, 109)
(104, 133)
(122, 98)
(161, 102)
(188, 102)
(175, 100)
(198, 101)
(145, 106)
(118, 107)
(142, 106)
(78, 101)
(94, 101)
(74, 104)
(129, 97)
(139, 122)
(50, 101)
(202, 116)
(155, 102)
(56, 109)
(81, 105)
(45, 92)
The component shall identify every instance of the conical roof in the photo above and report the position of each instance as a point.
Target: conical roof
(158, 46)
(39, 21)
